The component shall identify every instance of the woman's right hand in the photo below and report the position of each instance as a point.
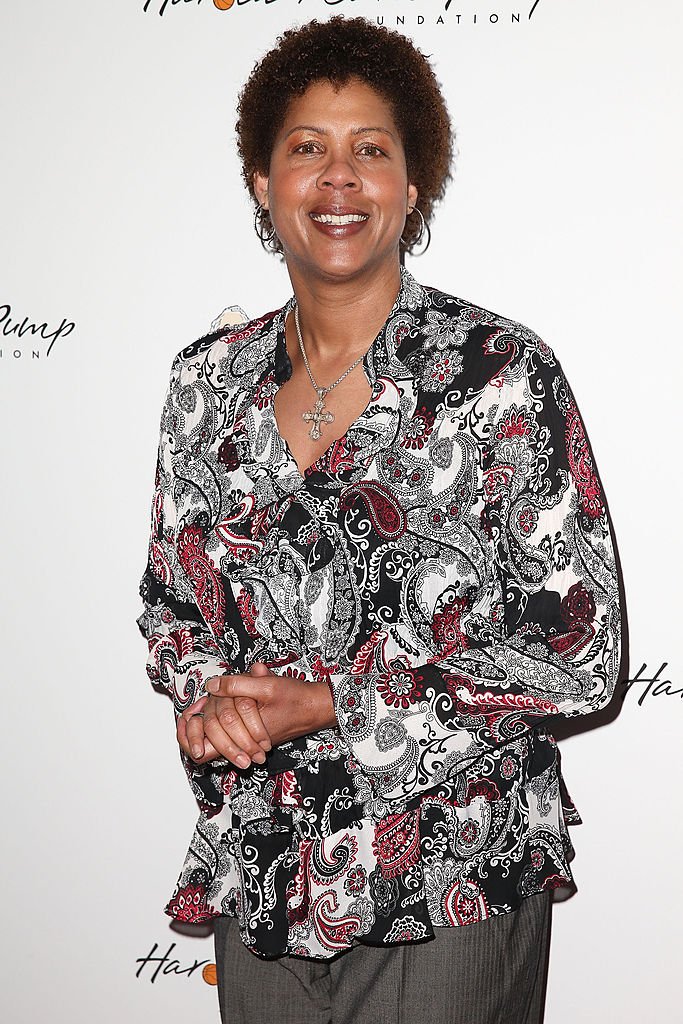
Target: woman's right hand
(248, 734)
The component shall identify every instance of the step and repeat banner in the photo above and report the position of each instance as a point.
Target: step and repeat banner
(125, 232)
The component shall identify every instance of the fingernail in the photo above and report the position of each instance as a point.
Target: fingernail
(265, 745)
(259, 757)
(243, 761)
(196, 751)
(213, 686)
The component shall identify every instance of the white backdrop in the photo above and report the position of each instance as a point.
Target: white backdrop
(122, 214)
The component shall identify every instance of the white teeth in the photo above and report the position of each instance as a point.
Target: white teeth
(333, 218)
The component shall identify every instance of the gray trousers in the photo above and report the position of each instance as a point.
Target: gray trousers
(493, 972)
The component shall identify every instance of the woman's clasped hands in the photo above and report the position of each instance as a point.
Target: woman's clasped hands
(245, 715)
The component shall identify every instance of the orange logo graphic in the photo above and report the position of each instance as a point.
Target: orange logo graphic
(209, 972)
(223, 5)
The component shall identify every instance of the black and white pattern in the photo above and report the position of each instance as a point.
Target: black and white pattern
(446, 567)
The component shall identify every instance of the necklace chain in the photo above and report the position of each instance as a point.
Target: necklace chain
(319, 415)
(322, 392)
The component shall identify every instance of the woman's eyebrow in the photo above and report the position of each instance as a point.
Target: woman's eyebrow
(376, 128)
(305, 128)
(323, 131)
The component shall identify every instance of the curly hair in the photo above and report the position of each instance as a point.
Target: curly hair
(338, 50)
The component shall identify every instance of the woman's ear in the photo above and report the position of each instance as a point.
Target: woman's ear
(412, 196)
(261, 188)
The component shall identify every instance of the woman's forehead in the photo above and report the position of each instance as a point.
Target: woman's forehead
(354, 104)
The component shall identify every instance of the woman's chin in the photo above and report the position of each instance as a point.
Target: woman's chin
(340, 263)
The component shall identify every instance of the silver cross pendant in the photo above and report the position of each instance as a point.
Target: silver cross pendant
(317, 416)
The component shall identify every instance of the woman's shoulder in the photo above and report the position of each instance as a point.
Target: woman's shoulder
(470, 314)
(234, 348)
(461, 336)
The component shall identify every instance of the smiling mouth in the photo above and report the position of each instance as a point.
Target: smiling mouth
(339, 220)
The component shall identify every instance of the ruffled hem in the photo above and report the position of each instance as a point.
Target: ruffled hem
(444, 862)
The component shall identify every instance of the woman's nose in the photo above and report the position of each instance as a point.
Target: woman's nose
(339, 173)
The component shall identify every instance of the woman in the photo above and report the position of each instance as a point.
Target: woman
(380, 566)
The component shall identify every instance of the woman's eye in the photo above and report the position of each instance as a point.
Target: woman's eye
(306, 147)
(370, 149)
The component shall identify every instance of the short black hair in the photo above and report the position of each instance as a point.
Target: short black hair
(338, 50)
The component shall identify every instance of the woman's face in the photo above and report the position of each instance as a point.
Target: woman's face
(337, 188)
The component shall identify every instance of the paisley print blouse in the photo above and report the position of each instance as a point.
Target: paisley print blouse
(446, 567)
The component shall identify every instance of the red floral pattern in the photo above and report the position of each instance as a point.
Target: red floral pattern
(399, 688)
(203, 577)
(581, 466)
(482, 787)
(578, 605)
(248, 611)
(189, 905)
(446, 626)
(397, 843)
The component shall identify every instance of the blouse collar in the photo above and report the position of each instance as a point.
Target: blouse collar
(382, 352)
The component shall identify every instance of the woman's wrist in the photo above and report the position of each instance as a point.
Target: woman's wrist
(323, 707)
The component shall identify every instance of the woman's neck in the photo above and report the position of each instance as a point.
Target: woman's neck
(341, 319)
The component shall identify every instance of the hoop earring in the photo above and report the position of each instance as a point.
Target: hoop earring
(266, 238)
(424, 230)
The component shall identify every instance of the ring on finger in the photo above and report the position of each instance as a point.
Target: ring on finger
(197, 714)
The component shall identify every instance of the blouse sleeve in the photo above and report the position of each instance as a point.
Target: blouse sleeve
(182, 652)
(539, 638)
